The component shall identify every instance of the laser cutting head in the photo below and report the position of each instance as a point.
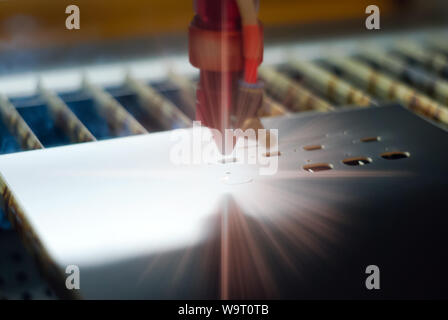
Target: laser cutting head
(225, 43)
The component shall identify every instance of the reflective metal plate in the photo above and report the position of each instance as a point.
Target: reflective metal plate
(139, 226)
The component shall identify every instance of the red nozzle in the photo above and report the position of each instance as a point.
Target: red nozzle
(252, 51)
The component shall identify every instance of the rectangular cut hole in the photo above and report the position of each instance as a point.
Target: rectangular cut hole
(371, 139)
(317, 167)
(272, 154)
(313, 147)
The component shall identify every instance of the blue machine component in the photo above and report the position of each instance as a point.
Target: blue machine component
(4, 223)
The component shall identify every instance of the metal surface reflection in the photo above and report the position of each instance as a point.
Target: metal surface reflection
(139, 226)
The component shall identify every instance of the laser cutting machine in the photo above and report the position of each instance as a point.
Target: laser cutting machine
(92, 121)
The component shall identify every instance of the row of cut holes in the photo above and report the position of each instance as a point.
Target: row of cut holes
(307, 148)
(358, 161)
(314, 147)
(267, 155)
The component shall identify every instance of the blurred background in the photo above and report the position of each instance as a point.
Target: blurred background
(33, 33)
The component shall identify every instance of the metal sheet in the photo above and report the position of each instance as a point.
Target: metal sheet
(139, 226)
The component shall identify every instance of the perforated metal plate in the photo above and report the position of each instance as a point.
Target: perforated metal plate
(140, 227)
(19, 277)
